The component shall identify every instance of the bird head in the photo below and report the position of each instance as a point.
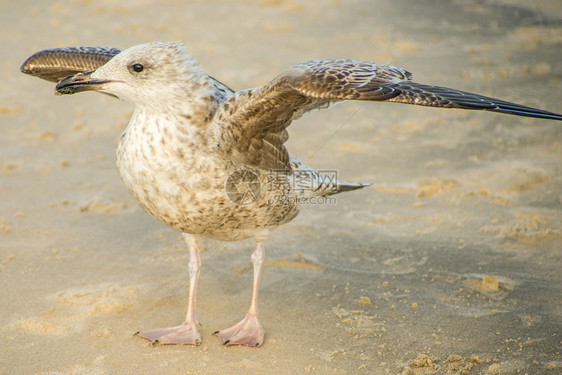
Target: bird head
(147, 74)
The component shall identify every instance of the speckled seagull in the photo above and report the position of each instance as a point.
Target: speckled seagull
(200, 157)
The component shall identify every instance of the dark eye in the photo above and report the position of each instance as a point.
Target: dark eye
(138, 68)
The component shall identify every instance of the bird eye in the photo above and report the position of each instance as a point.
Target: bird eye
(138, 68)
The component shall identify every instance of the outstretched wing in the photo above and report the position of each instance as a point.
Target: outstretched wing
(257, 118)
(58, 63)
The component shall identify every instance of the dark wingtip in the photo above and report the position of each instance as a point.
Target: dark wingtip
(54, 64)
(529, 112)
(30, 64)
(23, 67)
(26, 67)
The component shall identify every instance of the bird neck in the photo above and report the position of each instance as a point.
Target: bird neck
(191, 101)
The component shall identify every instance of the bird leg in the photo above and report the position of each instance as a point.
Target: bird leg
(185, 333)
(248, 331)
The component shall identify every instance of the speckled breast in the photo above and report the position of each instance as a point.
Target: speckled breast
(190, 188)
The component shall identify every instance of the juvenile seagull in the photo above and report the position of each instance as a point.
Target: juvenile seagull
(210, 162)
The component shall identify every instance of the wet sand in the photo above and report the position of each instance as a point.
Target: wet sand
(449, 264)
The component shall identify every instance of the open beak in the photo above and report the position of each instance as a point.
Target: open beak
(79, 82)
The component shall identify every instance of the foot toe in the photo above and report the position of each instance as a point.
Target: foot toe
(248, 332)
(184, 334)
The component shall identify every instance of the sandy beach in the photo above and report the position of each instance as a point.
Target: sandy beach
(449, 264)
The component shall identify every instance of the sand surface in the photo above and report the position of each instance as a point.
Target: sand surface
(450, 264)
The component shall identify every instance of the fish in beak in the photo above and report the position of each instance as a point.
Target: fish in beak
(79, 82)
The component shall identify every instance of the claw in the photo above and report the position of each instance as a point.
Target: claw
(185, 334)
(247, 332)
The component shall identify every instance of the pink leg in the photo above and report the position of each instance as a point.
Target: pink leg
(185, 333)
(248, 331)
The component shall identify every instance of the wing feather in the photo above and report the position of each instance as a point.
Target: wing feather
(443, 97)
(57, 63)
(317, 84)
(270, 109)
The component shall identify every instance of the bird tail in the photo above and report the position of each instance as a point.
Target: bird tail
(342, 187)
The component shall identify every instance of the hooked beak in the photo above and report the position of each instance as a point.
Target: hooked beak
(78, 83)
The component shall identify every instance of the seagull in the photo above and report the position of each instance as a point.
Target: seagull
(210, 162)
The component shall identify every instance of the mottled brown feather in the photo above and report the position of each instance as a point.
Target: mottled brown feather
(317, 84)
(57, 63)
(260, 114)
